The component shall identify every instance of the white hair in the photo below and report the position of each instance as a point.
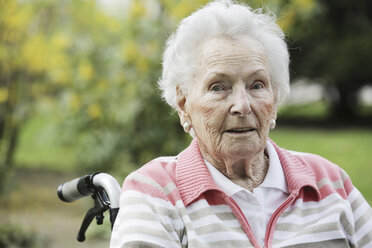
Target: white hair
(222, 18)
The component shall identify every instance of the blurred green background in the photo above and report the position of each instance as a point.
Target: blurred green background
(78, 94)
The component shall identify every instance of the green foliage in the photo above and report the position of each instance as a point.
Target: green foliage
(113, 112)
(329, 42)
(333, 47)
(15, 237)
(95, 72)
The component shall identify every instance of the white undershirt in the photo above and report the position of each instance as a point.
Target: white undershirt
(259, 206)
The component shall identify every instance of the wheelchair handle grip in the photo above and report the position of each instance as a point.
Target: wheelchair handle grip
(73, 190)
(86, 185)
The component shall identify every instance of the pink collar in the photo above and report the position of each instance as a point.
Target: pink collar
(193, 176)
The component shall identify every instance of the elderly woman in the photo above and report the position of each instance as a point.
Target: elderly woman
(225, 71)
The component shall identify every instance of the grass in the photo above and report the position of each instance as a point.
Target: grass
(318, 110)
(40, 146)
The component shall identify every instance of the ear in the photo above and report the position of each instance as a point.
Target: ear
(181, 104)
(273, 119)
(274, 114)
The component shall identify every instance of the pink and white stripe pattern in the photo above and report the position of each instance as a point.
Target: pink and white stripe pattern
(174, 202)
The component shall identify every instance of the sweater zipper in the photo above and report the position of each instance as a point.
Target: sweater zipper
(239, 213)
(274, 218)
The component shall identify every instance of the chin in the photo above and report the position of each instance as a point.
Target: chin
(242, 150)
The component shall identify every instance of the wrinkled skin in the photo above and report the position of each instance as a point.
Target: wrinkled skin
(229, 106)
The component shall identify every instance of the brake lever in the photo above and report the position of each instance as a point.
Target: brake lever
(101, 204)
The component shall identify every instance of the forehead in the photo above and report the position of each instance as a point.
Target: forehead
(228, 54)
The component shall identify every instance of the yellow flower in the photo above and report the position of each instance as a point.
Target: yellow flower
(137, 10)
(94, 111)
(182, 9)
(103, 85)
(304, 5)
(61, 40)
(142, 65)
(130, 51)
(289, 17)
(75, 102)
(35, 53)
(3, 94)
(85, 70)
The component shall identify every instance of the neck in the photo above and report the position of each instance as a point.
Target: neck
(248, 172)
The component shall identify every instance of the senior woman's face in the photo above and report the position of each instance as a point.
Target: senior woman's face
(231, 102)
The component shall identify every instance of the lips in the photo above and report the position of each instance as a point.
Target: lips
(240, 130)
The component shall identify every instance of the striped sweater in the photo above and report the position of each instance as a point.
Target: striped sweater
(174, 202)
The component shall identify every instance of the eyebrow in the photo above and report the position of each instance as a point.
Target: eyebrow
(260, 71)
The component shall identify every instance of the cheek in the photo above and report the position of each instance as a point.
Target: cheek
(208, 117)
(265, 112)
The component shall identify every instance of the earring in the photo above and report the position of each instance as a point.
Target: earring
(186, 127)
(272, 123)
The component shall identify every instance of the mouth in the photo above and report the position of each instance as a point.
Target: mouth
(240, 130)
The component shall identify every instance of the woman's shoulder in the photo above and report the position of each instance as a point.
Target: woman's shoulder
(157, 173)
(156, 180)
(315, 161)
(324, 169)
(329, 176)
(159, 165)
(157, 169)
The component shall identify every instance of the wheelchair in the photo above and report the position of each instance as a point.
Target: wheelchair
(103, 189)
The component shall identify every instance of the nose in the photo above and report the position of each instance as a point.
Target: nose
(240, 103)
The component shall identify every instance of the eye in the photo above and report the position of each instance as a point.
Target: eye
(217, 88)
(258, 85)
